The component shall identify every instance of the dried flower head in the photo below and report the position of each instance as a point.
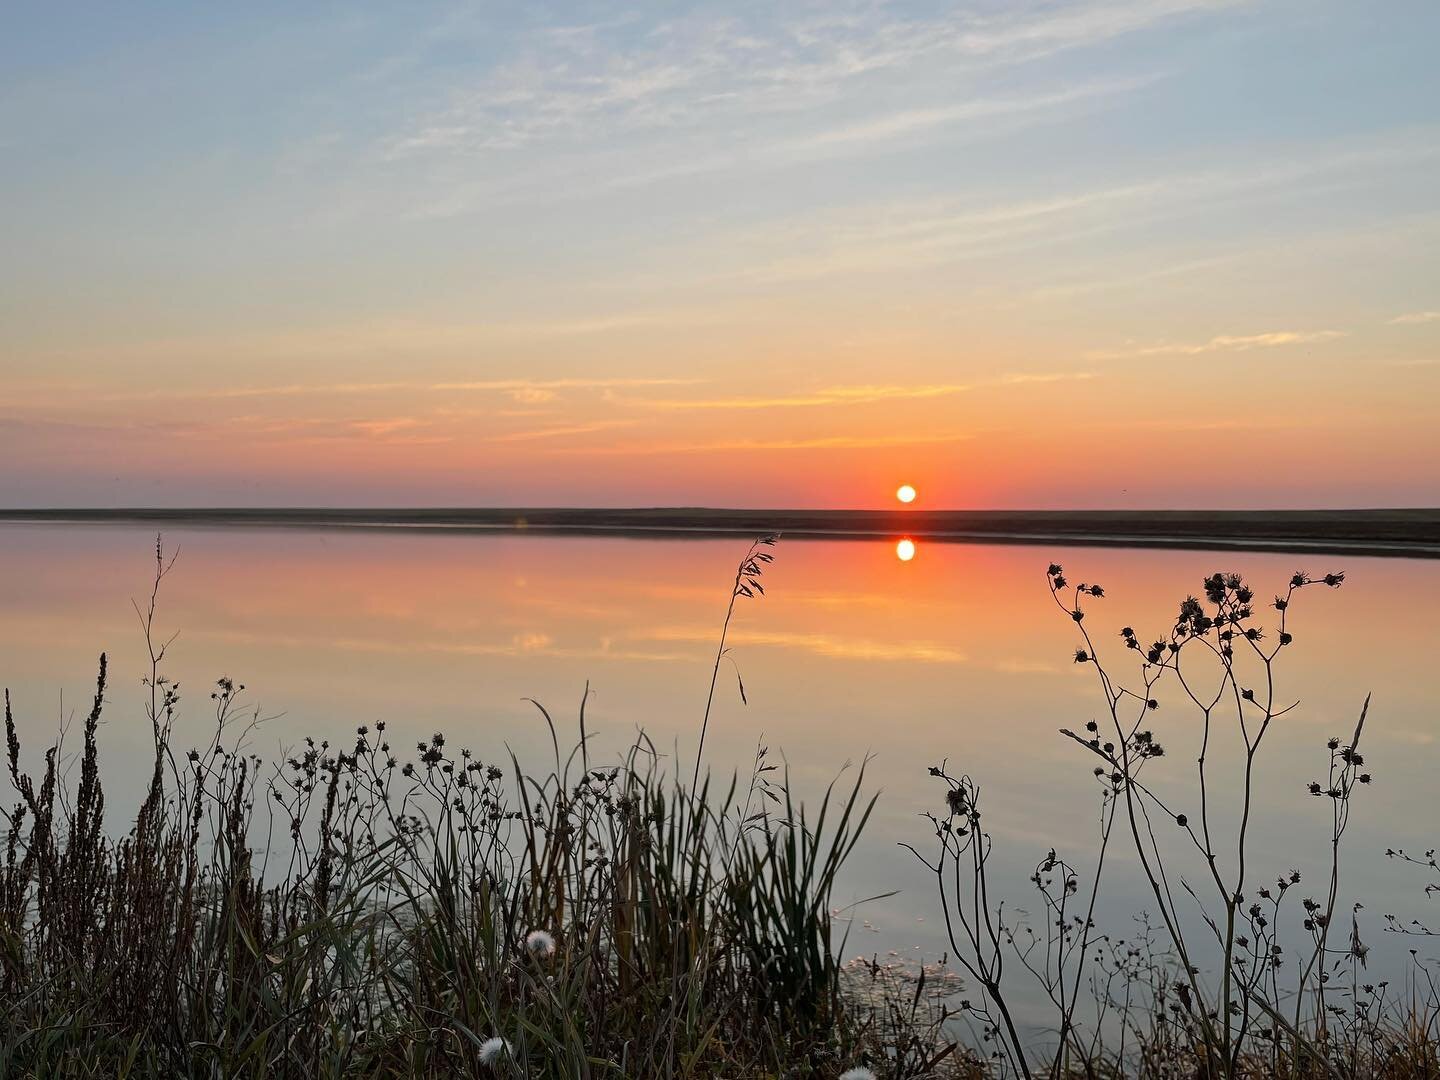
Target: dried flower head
(493, 1051)
(540, 944)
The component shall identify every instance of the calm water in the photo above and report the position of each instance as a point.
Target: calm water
(958, 653)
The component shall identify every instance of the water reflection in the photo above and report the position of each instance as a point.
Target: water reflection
(852, 651)
(905, 549)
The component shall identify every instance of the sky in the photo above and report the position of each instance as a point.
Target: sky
(1071, 254)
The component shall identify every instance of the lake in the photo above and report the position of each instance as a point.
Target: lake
(958, 653)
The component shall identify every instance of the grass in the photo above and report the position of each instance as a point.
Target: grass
(602, 921)
(356, 910)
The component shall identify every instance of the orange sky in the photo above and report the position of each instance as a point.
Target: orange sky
(1316, 427)
(1086, 254)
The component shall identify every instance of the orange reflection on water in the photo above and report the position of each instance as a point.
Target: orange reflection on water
(854, 648)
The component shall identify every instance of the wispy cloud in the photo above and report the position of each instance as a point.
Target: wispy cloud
(563, 83)
(402, 430)
(385, 427)
(432, 342)
(837, 395)
(525, 391)
(281, 390)
(863, 131)
(511, 385)
(1415, 318)
(390, 430)
(705, 93)
(603, 324)
(853, 395)
(1223, 343)
(891, 234)
(823, 442)
(909, 122)
(559, 431)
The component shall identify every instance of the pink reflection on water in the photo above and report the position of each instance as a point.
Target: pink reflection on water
(959, 655)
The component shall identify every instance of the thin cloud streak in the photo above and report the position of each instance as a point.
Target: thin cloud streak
(560, 384)
(592, 83)
(910, 122)
(846, 140)
(561, 431)
(853, 395)
(543, 387)
(1224, 343)
(840, 395)
(886, 236)
(827, 442)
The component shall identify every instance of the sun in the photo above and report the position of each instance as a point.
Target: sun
(905, 550)
(905, 493)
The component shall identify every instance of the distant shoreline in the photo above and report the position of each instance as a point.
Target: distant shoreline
(1410, 533)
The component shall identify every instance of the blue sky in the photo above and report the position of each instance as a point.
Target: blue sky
(207, 199)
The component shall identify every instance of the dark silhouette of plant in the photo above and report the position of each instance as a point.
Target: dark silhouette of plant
(1220, 660)
(747, 584)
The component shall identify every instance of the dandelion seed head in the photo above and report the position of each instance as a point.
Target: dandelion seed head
(857, 1073)
(493, 1050)
(540, 944)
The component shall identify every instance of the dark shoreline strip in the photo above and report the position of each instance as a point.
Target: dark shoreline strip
(1408, 533)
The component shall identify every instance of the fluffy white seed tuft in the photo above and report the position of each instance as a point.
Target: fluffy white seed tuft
(493, 1050)
(540, 944)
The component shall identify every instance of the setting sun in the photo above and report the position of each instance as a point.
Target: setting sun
(905, 493)
(905, 550)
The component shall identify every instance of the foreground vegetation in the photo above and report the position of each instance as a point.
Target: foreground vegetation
(1221, 985)
(360, 910)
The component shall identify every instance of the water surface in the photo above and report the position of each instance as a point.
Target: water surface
(957, 653)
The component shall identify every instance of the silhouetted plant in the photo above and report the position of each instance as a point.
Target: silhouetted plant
(1221, 661)
(747, 584)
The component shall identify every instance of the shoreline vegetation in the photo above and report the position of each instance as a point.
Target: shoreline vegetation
(1400, 532)
(358, 909)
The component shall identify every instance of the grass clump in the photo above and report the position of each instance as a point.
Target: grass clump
(445, 916)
